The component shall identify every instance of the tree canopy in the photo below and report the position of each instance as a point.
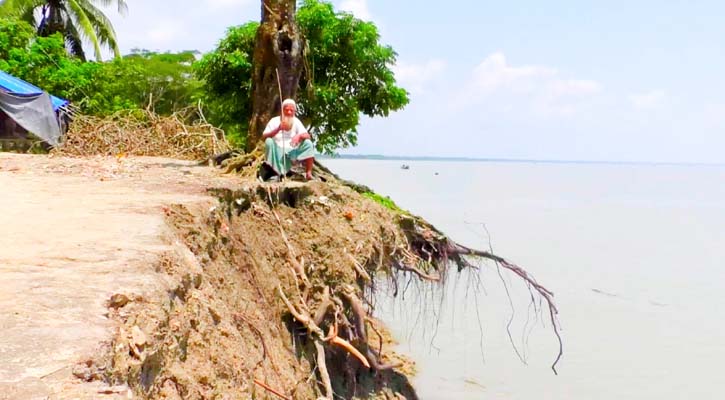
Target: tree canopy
(347, 72)
(163, 80)
(74, 19)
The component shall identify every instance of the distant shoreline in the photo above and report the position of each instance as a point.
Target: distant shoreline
(513, 160)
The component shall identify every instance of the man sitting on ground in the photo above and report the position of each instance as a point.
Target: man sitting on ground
(287, 140)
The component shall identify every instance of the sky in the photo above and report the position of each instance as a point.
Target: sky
(554, 80)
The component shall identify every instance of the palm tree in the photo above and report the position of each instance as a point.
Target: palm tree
(76, 20)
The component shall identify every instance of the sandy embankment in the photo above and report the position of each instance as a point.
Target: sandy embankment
(74, 232)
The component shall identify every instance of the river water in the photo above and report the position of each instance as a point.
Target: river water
(633, 253)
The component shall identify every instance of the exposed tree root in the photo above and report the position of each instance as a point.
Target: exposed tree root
(269, 389)
(329, 296)
(322, 367)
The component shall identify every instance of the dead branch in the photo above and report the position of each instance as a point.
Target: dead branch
(144, 133)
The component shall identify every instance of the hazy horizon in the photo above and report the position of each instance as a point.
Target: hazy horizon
(513, 160)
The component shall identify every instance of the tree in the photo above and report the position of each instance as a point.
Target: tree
(349, 74)
(277, 63)
(345, 71)
(74, 19)
(227, 81)
(165, 80)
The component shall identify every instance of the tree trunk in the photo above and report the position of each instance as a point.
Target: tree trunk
(279, 48)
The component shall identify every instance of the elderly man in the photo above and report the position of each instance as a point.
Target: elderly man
(287, 140)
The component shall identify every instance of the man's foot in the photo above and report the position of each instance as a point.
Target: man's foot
(308, 176)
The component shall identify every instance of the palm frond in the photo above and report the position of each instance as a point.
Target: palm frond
(104, 28)
(74, 41)
(29, 14)
(79, 14)
(20, 8)
(122, 7)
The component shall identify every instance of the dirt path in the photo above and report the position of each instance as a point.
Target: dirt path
(74, 232)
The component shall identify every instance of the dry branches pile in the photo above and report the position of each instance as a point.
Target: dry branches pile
(143, 133)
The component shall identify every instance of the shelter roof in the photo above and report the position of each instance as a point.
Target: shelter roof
(20, 87)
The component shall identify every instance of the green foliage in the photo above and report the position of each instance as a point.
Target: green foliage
(385, 201)
(348, 73)
(75, 20)
(163, 79)
(227, 76)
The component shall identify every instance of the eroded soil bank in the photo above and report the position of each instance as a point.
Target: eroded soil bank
(223, 330)
(130, 278)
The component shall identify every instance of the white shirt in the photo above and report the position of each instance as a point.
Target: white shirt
(283, 138)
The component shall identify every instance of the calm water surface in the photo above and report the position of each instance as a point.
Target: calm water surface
(633, 253)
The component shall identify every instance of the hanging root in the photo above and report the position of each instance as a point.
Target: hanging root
(458, 249)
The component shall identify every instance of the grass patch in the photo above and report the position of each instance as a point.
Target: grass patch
(385, 201)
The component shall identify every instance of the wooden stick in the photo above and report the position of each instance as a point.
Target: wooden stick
(269, 389)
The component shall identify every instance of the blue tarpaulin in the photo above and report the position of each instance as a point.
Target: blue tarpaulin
(31, 108)
(18, 86)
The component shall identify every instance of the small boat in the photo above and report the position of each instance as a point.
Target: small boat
(405, 166)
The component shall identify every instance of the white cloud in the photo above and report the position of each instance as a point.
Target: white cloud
(494, 72)
(536, 89)
(359, 8)
(414, 76)
(647, 100)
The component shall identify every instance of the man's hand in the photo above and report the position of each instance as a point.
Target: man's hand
(296, 140)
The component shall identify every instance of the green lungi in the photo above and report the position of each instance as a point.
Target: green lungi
(280, 162)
